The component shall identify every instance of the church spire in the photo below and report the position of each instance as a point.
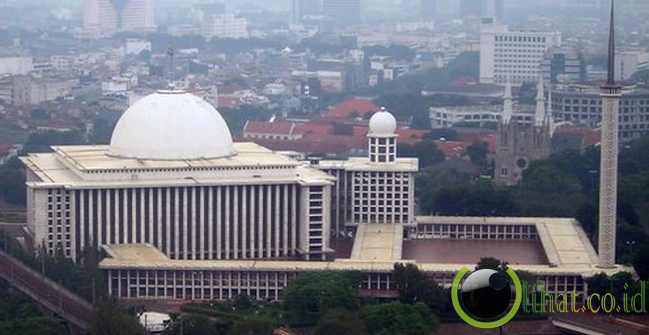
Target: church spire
(611, 47)
(540, 114)
(508, 108)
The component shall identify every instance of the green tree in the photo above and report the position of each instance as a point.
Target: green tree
(477, 152)
(111, 319)
(398, 318)
(415, 287)
(254, 325)
(641, 261)
(426, 151)
(489, 263)
(599, 283)
(340, 322)
(312, 295)
(12, 182)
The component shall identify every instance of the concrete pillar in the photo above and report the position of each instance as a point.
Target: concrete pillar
(210, 222)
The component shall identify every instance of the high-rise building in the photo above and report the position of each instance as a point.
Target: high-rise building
(494, 9)
(630, 61)
(565, 65)
(106, 17)
(302, 8)
(225, 26)
(342, 11)
(516, 55)
(483, 8)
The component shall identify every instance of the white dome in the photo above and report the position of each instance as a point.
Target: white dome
(171, 125)
(383, 124)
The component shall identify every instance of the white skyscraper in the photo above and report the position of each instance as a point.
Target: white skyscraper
(106, 17)
(514, 54)
(225, 26)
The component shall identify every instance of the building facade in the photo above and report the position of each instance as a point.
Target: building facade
(183, 213)
(516, 55)
(518, 144)
(563, 65)
(630, 61)
(215, 201)
(225, 26)
(342, 11)
(377, 189)
(105, 17)
(582, 104)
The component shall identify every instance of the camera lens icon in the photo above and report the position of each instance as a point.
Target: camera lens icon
(486, 298)
(486, 294)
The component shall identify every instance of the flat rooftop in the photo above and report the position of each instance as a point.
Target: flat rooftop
(364, 164)
(562, 248)
(72, 166)
(378, 243)
(96, 157)
(523, 252)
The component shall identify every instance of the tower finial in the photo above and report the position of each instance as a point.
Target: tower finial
(611, 47)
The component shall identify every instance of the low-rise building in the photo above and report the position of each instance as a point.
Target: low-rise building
(581, 104)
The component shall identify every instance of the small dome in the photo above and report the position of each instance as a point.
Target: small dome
(382, 124)
(171, 125)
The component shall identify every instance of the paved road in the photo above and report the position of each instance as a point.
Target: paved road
(47, 293)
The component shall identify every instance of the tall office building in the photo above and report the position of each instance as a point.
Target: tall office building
(483, 8)
(517, 55)
(106, 17)
(302, 8)
(225, 26)
(342, 11)
(494, 9)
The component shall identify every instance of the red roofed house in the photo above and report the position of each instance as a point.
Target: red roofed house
(411, 136)
(452, 149)
(279, 130)
(354, 107)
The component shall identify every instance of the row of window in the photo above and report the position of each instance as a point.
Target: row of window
(508, 38)
(188, 169)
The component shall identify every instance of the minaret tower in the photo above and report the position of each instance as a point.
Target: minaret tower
(382, 138)
(611, 93)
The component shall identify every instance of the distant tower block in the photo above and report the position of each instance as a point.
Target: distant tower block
(611, 93)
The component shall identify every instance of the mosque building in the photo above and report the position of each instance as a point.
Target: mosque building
(181, 212)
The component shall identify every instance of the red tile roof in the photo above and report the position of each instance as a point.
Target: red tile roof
(5, 148)
(410, 136)
(346, 109)
(328, 144)
(314, 129)
(265, 127)
(591, 136)
(228, 102)
(452, 149)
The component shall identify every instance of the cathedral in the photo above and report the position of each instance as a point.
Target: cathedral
(520, 142)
